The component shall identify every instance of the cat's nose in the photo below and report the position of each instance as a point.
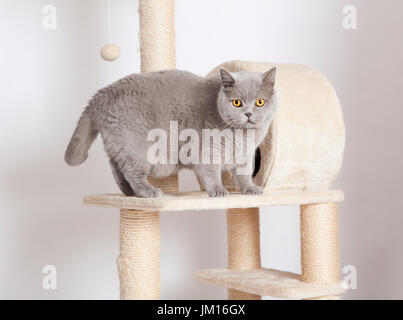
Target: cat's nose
(248, 114)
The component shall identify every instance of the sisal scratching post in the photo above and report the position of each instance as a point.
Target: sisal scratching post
(243, 245)
(139, 259)
(319, 244)
(157, 51)
(157, 35)
(168, 184)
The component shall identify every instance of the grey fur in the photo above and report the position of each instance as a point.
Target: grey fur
(127, 110)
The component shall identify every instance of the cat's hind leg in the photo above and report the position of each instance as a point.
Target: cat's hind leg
(129, 165)
(136, 176)
(141, 187)
(122, 183)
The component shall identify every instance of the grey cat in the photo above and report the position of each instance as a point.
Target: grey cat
(126, 111)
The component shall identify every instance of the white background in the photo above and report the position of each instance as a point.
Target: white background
(47, 77)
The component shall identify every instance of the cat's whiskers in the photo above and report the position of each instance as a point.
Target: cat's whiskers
(230, 124)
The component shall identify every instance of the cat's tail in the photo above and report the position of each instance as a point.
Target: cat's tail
(83, 136)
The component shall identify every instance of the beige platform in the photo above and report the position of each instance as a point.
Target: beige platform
(268, 282)
(201, 201)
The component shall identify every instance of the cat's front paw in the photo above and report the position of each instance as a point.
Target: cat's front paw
(252, 190)
(218, 192)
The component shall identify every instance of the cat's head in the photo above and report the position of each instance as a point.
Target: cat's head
(247, 99)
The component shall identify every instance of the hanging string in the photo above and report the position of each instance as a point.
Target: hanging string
(109, 22)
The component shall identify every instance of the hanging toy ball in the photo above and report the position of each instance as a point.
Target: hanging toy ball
(110, 52)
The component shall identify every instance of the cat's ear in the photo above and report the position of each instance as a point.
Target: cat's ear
(226, 78)
(269, 78)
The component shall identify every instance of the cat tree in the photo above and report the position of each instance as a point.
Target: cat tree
(296, 163)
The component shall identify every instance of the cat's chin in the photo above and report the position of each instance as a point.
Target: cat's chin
(249, 125)
(244, 125)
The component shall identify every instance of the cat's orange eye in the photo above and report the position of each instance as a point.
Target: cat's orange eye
(236, 103)
(260, 102)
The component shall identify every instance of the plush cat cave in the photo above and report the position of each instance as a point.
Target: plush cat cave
(296, 164)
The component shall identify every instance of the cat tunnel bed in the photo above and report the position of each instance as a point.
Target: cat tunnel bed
(296, 164)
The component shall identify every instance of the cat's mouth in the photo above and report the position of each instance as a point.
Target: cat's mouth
(250, 121)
